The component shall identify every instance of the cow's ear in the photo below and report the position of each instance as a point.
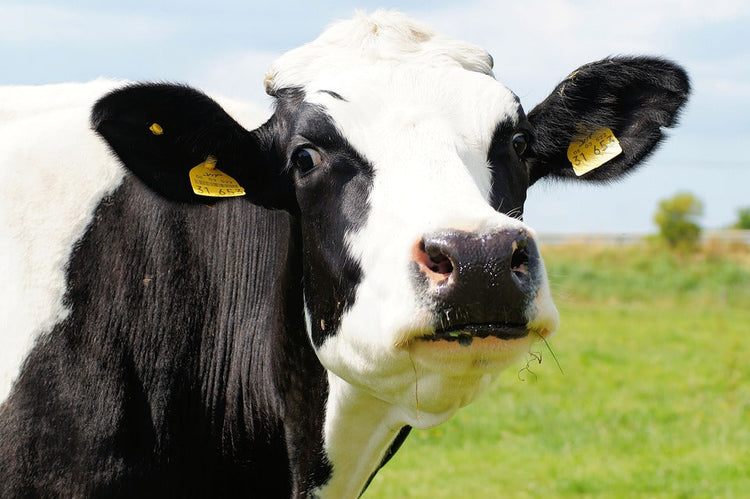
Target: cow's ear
(615, 104)
(162, 132)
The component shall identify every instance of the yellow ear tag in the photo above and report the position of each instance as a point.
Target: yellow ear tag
(156, 129)
(590, 151)
(207, 180)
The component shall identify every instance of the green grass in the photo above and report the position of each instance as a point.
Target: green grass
(654, 400)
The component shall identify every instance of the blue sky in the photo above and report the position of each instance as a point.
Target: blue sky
(225, 47)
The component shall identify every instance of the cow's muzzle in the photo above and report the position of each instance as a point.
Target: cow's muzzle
(479, 284)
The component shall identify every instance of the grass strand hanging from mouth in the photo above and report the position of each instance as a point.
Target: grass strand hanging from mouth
(552, 352)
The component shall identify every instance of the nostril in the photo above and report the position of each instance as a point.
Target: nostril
(519, 260)
(434, 261)
(439, 262)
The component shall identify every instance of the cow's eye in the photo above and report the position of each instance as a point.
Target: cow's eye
(520, 142)
(305, 159)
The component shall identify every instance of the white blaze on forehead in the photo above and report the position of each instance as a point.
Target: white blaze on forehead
(426, 133)
(419, 125)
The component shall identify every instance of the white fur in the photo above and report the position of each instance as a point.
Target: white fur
(422, 110)
(382, 37)
(358, 430)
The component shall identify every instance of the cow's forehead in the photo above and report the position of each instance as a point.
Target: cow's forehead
(381, 38)
(387, 81)
(413, 122)
(382, 98)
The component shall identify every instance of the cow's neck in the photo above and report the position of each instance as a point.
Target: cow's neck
(359, 430)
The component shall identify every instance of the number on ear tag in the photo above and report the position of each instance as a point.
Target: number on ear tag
(207, 180)
(590, 151)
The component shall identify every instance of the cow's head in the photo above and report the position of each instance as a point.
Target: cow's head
(407, 165)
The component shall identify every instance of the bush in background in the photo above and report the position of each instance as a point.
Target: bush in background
(743, 219)
(677, 219)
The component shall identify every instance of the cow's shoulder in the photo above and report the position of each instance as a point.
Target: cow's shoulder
(54, 171)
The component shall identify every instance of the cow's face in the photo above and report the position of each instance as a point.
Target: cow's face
(410, 180)
(407, 166)
(410, 184)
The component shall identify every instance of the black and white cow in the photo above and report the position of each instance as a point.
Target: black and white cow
(376, 276)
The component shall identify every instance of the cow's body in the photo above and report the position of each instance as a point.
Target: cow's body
(374, 278)
(148, 244)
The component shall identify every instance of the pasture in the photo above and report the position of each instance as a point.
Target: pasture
(653, 400)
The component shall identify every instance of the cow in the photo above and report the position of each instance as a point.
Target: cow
(194, 307)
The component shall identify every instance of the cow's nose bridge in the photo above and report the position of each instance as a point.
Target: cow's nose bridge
(482, 277)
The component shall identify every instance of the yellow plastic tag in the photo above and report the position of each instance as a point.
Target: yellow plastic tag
(207, 180)
(156, 129)
(590, 151)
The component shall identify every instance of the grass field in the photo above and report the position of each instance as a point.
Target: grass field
(654, 400)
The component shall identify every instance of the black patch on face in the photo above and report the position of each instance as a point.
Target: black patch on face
(510, 175)
(333, 202)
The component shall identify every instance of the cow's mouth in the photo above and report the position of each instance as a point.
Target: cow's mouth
(464, 334)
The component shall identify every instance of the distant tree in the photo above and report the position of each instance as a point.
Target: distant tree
(743, 219)
(677, 218)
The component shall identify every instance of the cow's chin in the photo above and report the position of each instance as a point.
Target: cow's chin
(463, 353)
(425, 374)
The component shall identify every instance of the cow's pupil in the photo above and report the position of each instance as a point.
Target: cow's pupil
(306, 159)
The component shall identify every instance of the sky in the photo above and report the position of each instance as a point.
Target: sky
(225, 46)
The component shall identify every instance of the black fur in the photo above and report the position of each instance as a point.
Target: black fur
(203, 381)
(510, 174)
(182, 370)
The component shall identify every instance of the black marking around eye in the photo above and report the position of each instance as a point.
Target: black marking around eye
(510, 176)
